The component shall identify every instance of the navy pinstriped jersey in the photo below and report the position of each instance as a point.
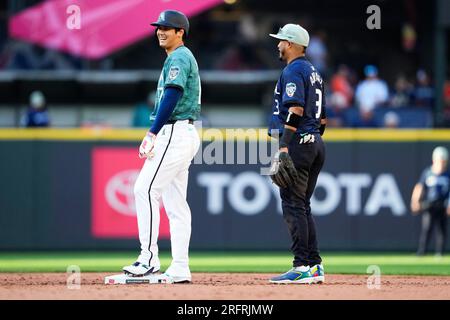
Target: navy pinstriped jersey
(299, 84)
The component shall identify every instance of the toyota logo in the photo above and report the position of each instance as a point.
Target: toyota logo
(119, 192)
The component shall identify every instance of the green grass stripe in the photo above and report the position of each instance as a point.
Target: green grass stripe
(270, 262)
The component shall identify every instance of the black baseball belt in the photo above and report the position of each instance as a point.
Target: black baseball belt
(173, 121)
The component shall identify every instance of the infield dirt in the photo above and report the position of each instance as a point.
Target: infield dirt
(224, 286)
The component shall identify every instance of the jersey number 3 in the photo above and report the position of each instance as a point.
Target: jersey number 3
(319, 103)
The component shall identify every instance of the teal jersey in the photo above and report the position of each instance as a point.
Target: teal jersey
(180, 70)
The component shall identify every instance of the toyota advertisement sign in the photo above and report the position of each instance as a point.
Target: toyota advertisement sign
(82, 197)
(235, 206)
(114, 171)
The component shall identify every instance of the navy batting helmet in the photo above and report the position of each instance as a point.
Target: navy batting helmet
(173, 19)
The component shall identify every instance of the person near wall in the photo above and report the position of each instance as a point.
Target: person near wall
(142, 111)
(431, 199)
(37, 113)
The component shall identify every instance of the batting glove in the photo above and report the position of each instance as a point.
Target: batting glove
(147, 145)
(306, 138)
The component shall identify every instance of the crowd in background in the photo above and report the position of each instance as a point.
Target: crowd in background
(355, 103)
(350, 102)
(358, 94)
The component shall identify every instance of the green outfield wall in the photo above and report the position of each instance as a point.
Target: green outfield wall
(72, 189)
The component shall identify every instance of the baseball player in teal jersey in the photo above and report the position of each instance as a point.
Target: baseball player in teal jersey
(168, 148)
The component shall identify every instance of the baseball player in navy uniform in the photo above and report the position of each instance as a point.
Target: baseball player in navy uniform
(298, 117)
(168, 149)
(37, 114)
(431, 199)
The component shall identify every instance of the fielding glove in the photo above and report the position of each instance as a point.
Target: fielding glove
(283, 172)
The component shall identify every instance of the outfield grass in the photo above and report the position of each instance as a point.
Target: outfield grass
(271, 262)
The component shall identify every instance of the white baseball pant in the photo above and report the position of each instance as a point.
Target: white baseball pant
(166, 176)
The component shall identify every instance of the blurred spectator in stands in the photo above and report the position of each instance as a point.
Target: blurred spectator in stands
(341, 90)
(37, 113)
(248, 28)
(339, 96)
(232, 59)
(142, 111)
(370, 93)
(244, 53)
(401, 96)
(317, 52)
(391, 120)
(447, 94)
(423, 94)
(409, 37)
(334, 119)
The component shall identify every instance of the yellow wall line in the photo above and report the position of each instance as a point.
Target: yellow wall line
(335, 135)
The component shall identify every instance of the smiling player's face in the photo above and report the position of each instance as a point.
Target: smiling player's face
(168, 38)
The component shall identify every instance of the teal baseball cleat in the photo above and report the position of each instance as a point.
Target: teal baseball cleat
(294, 276)
(318, 273)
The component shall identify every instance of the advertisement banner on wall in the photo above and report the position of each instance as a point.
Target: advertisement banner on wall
(114, 171)
(234, 206)
(361, 201)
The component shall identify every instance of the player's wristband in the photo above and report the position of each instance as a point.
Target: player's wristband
(322, 129)
(286, 138)
(293, 119)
